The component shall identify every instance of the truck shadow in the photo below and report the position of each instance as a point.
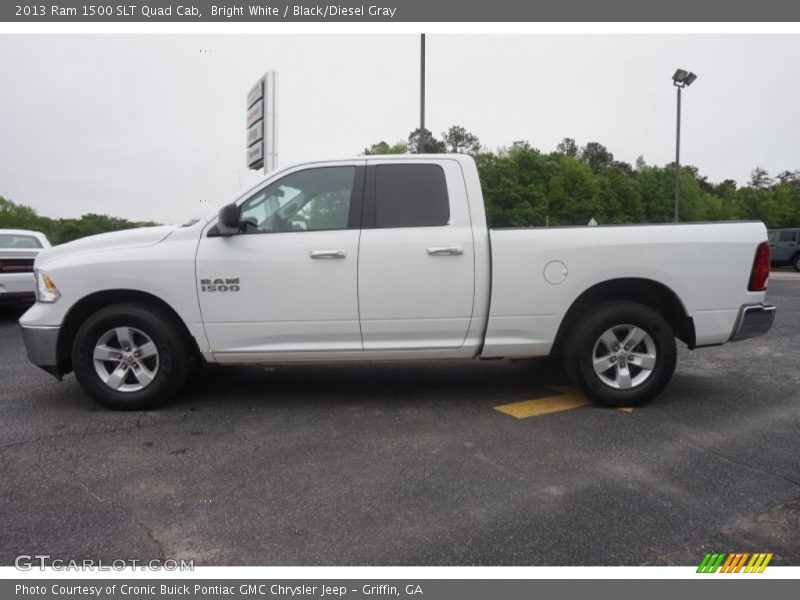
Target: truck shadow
(444, 382)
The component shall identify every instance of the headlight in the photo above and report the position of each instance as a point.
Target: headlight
(46, 290)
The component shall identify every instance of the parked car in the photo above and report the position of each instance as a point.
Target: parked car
(785, 247)
(18, 249)
(389, 258)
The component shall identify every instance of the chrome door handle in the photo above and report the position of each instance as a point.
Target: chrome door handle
(327, 254)
(446, 250)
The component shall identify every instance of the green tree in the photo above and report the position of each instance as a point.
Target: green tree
(569, 147)
(514, 183)
(431, 144)
(18, 216)
(759, 178)
(620, 196)
(596, 156)
(656, 185)
(460, 141)
(574, 195)
(382, 147)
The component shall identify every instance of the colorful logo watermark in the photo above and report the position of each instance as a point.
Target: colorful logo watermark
(735, 562)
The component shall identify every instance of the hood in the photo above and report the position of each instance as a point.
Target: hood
(128, 238)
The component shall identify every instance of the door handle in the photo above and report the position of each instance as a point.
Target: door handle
(446, 250)
(327, 254)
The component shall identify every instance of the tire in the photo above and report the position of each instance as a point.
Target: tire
(588, 343)
(146, 375)
(796, 263)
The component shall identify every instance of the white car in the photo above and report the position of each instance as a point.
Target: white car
(389, 258)
(18, 249)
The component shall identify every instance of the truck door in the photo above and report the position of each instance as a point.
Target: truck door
(786, 245)
(416, 268)
(287, 283)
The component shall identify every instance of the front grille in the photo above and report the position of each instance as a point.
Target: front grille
(16, 265)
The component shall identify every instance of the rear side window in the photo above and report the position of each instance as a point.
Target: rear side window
(410, 196)
(788, 236)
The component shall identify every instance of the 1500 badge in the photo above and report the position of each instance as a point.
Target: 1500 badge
(220, 285)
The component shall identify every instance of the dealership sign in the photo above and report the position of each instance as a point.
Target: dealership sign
(261, 124)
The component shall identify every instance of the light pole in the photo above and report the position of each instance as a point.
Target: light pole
(680, 80)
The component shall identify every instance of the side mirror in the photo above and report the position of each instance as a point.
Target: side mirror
(228, 221)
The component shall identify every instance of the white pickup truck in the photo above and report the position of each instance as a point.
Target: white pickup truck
(389, 258)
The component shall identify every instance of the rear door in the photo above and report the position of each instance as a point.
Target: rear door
(416, 269)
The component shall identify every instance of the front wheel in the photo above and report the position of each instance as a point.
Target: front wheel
(796, 263)
(621, 354)
(130, 356)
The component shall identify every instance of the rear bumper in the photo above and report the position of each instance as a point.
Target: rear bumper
(13, 283)
(754, 320)
(16, 297)
(41, 344)
(17, 287)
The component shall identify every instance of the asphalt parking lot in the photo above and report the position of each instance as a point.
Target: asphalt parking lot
(410, 464)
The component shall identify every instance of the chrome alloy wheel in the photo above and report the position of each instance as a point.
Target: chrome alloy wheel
(624, 357)
(126, 359)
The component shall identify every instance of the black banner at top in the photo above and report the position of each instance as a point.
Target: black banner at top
(404, 11)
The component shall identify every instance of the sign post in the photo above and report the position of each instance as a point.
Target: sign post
(262, 148)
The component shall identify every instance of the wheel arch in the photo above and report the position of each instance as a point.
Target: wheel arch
(651, 293)
(90, 304)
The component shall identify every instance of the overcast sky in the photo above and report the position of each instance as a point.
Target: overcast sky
(149, 127)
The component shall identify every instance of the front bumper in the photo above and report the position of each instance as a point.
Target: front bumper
(41, 344)
(754, 320)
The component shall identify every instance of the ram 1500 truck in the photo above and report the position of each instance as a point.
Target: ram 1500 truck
(389, 258)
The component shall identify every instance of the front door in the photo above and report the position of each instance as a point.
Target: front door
(287, 283)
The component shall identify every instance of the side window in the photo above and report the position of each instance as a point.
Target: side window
(411, 196)
(310, 200)
(788, 236)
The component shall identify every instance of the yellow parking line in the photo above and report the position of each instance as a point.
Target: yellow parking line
(568, 399)
(627, 409)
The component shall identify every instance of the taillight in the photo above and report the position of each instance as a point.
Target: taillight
(16, 265)
(760, 272)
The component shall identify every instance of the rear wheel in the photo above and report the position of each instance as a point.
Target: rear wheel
(621, 354)
(130, 356)
(796, 263)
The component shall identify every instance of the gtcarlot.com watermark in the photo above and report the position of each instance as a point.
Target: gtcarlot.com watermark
(28, 562)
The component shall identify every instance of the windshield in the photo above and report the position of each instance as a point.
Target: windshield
(19, 240)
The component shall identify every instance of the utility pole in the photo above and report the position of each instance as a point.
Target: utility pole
(421, 147)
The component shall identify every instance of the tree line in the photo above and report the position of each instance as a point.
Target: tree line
(523, 186)
(59, 231)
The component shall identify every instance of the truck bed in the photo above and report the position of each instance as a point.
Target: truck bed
(537, 273)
